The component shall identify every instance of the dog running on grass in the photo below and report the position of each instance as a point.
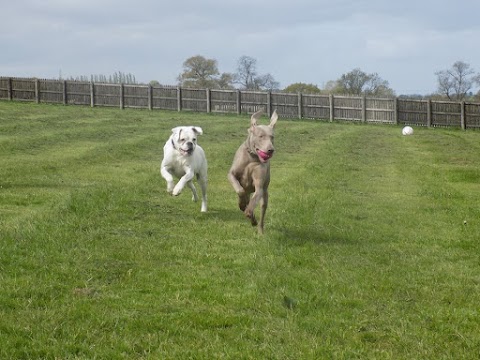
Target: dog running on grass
(250, 171)
(185, 159)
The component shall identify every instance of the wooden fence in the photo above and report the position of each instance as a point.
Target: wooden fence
(327, 107)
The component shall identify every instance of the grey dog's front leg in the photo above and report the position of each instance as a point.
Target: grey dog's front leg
(249, 211)
(263, 211)
(242, 195)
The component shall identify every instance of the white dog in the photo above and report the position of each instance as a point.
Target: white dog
(183, 158)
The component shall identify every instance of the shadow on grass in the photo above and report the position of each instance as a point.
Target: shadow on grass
(224, 215)
(301, 235)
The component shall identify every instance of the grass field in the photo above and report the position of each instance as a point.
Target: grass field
(371, 246)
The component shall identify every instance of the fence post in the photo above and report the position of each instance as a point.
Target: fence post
(364, 109)
(332, 107)
(9, 89)
(65, 101)
(299, 104)
(462, 116)
(92, 94)
(150, 97)
(179, 98)
(209, 104)
(37, 91)
(239, 102)
(269, 104)
(395, 110)
(122, 97)
(429, 113)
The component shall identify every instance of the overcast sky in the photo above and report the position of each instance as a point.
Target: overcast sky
(310, 41)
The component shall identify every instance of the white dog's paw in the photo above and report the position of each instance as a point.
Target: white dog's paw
(170, 186)
(176, 191)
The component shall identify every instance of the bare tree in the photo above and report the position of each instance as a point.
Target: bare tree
(248, 78)
(357, 82)
(246, 72)
(456, 82)
(117, 78)
(376, 86)
(266, 82)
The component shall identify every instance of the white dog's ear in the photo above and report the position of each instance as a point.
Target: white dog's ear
(176, 132)
(177, 129)
(273, 119)
(198, 130)
(255, 117)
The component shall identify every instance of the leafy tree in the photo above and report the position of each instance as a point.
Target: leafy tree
(332, 87)
(302, 88)
(456, 82)
(248, 78)
(357, 82)
(225, 81)
(199, 72)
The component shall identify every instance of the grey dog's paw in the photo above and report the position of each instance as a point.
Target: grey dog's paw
(242, 201)
(249, 214)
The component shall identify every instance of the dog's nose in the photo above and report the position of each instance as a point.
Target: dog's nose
(190, 145)
(270, 151)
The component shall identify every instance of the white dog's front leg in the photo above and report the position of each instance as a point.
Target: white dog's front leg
(168, 177)
(194, 191)
(182, 182)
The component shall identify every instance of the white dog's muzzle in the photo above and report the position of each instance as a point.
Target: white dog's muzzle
(190, 147)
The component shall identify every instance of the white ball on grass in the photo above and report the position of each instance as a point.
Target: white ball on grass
(407, 130)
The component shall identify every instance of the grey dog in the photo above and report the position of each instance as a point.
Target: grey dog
(250, 171)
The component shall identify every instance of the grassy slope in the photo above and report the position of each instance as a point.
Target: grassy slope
(365, 255)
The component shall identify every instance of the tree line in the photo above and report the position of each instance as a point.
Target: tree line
(199, 72)
(116, 78)
(456, 83)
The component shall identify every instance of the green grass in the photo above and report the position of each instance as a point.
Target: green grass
(365, 254)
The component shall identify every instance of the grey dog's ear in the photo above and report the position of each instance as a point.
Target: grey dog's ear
(255, 117)
(273, 119)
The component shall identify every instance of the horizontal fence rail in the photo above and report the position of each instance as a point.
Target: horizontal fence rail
(301, 106)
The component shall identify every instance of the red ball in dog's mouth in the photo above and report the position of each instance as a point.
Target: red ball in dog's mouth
(263, 155)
